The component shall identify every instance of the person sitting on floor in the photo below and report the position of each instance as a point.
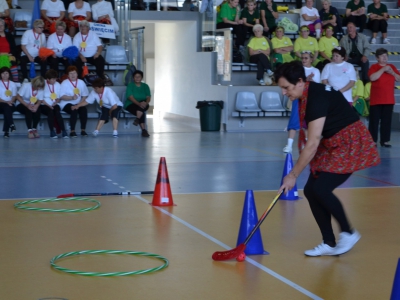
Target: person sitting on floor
(109, 103)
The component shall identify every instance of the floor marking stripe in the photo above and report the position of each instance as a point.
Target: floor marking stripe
(253, 262)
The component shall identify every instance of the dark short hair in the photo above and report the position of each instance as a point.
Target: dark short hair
(292, 71)
(98, 83)
(137, 72)
(341, 51)
(51, 74)
(5, 69)
(71, 69)
(380, 51)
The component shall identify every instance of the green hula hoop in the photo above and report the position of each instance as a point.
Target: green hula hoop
(109, 274)
(21, 205)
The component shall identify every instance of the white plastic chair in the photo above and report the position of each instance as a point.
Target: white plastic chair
(246, 102)
(271, 101)
(116, 55)
(23, 16)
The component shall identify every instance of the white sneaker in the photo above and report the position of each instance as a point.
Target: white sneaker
(95, 133)
(270, 73)
(347, 241)
(287, 149)
(386, 41)
(261, 82)
(322, 249)
(115, 133)
(373, 41)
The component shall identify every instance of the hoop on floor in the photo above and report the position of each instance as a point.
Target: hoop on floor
(109, 274)
(22, 205)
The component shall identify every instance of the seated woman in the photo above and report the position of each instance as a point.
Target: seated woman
(330, 16)
(250, 16)
(103, 12)
(269, 14)
(326, 44)
(259, 53)
(57, 42)
(8, 93)
(78, 10)
(306, 43)
(355, 13)
(378, 16)
(339, 74)
(109, 103)
(312, 74)
(9, 50)
(32, 40)
(29, 96)
(51, 11)
(50, 104)
(5, 15)
(137, 100)
(309, 16)
(228, 17)
(282, 48)
(73, 91)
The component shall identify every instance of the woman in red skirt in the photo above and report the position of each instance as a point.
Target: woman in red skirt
(338, 144)
(77, 11)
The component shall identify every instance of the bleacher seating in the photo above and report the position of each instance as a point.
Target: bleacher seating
(271, 101)
(247, 102)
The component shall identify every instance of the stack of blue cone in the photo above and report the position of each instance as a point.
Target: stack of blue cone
(292, 194)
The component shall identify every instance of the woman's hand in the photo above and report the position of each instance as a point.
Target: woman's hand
(288, 183)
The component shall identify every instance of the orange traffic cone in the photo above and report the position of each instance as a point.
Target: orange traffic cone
(162, 191)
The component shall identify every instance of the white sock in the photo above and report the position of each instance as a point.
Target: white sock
(290, 142)
(318, 32)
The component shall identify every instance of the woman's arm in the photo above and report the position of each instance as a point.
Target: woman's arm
(88, 15)
(347, 86)
(375, 76)
(62, 15)
(245, 22)
(5, 14)
(314, 137)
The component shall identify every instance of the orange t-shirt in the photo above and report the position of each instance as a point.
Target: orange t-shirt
(382, 90)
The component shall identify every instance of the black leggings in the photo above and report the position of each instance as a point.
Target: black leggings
(82, 111)
(324, 204)
(31, 118)
(378, 25)
(7, 111)
(262, 62)
(51, 114)
(133, 109)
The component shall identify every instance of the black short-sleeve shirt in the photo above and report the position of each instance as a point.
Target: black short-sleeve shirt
(324, 101)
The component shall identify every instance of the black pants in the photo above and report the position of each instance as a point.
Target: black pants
(360, 21)
(364, 67)
(262, 62)
(239, 30)
(82, 111)
(105, 113)
(54, 63)
(32, 119)
(133, 109)
(378, 25)
(52, 114)
(24, 60)
(99, 63)
(324, 204)
(7, 111)
(380, 113)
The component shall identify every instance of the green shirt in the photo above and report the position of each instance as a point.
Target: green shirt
(354, 7)
(378, 11)
(140, 93)
(269, 17)
(226, 12)
(250, 18)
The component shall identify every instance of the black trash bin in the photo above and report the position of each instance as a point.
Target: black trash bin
(210, 115)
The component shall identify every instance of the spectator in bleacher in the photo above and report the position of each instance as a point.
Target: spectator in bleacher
(137, 99)
(250, 16)
(8, 93)
(326, 44)
(29, 97)
(330, 16)
(282, 47)
(50, 104)
(51, 11)
(357, 49)
(378, 16)
(32, 40)
(78, 10)
(90, 48)
(339, 74)
(269, 14)
(383, 76)
(312, 73)
(355, 13)
(57, 42)
(103, 12)
(73, 91)
(5, 15)
(109, 103)
(309, 16)
(8, 48)
(306, 43)
(229, 17)
(259, 52)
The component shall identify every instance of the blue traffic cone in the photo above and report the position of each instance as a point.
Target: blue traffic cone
(249, 220)
(396, 284)
(292, 194)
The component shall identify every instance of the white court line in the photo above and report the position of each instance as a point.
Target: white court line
(253, 262)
